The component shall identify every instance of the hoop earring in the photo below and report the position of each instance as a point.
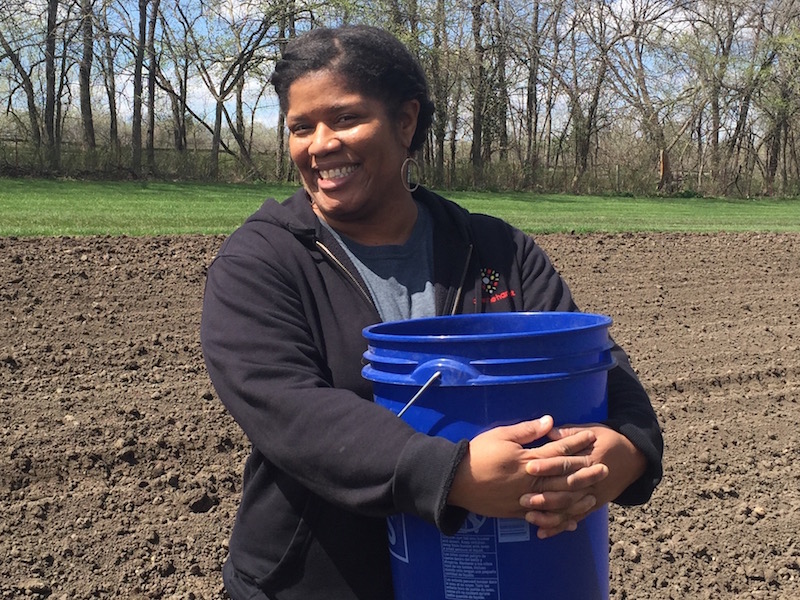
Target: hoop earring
(405, 174)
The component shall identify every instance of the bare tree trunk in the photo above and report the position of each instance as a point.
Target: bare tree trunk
(152, 70)
(63, 74)
(178, 104)
(51, 145)
(85, 74)
(138, 85)
(721, 40)
(784, 173)
(27, 86)
(213, 167)
(287, 31)
(439, 91)
(454, 136)
(478, 93)
(776, 142)
(180, 66)
(551, 91)
(664, 171)
(239, 124)
(585, 120)
(111, 87)
(234, 72)
(500, 92)
(244, 151)
(530, 159)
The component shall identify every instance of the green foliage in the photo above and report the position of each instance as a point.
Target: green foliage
(38, 207)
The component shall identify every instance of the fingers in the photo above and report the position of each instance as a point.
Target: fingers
(563, 456)
(562, 431)
(577, 480)
(580, 440)
(552, 522)
(524, 432)
(558, 465)
(565, 503)
(546, 532)
(543, 533)
(551, 526)
(572, 510)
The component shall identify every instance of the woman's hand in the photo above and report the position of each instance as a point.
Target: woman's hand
(498, 471)
(557, 506)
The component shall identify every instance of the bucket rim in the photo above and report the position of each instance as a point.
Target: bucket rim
(593, 321)
(374, 375)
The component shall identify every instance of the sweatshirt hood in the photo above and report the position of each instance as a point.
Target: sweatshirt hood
(293, 214)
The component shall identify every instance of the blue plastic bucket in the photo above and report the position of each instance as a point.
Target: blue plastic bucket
(465, 374)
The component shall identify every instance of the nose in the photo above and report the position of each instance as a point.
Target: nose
(323, 141)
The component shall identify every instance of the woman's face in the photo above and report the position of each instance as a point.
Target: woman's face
(348, 150)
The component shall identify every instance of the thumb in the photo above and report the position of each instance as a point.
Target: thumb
(525, 432)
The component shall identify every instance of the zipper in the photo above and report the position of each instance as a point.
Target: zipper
(346, 271)
(460, 289)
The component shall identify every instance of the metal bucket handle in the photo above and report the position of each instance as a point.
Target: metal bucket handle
(451, 372)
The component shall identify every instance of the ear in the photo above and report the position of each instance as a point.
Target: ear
(407, 121)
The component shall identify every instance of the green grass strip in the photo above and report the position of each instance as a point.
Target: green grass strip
(38, 207)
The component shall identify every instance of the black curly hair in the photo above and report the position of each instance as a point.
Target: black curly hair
(371, 60)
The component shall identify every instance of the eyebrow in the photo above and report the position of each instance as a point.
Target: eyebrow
(332, 108)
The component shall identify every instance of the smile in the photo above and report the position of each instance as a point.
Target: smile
(337, 173)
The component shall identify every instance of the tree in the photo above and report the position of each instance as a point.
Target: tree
(139, 44)
(590, 42)
(286, 31)
(644, 78)
(85, 74)
(13, 48)
(109, 47)
(479, 93)
(222, 67)
(152, 70)
(173, 70)
(52, 147)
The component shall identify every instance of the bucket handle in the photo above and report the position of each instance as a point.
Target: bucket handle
(419, 393)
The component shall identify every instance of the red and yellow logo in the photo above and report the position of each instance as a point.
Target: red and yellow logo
(489, 281)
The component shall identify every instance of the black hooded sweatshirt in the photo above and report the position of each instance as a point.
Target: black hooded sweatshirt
(283, 314)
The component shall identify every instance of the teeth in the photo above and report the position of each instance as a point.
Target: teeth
(336, 173)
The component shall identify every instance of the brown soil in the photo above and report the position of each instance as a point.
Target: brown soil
(120, 471)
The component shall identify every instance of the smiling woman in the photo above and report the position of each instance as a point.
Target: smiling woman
(349, 153)
(287, 299)
(357, 108)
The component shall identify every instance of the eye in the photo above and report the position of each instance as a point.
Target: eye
(299, 128)
(346, 119)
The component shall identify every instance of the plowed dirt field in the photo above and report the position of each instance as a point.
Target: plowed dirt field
(120, 470)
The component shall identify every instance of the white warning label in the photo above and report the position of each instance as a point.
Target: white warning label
(513, 530)
(469, 562)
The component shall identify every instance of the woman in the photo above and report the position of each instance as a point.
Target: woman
(286, 301)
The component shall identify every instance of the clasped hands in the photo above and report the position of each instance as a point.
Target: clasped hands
(552, 486)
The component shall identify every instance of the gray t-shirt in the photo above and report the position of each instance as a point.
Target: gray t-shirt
(399, 277)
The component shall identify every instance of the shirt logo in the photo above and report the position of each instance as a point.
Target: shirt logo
(489, 281)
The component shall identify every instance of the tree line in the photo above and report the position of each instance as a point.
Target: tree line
(602, 96)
